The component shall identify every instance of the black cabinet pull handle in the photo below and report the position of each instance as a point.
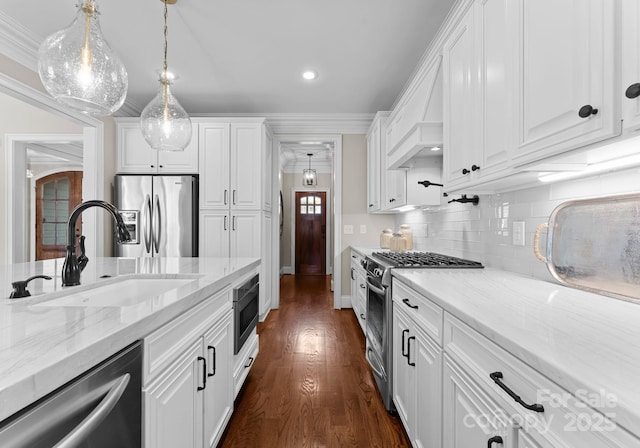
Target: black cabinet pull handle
(406, 302)
(409, 339)
(204, 373)
(392, 200)
(465, 171)
(362, 316)
(406, 355)
(251, 359)
(370, 205)
(214, 362)
(494, 439)
(586, 111)
(363, 286)
(633, 91)
(497, 378)
(352, 277)
(475, 167)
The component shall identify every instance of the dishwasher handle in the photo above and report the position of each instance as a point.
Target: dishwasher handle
(91, 421)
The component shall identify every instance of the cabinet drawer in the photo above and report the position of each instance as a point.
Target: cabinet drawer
(244, 360)
(427, 314)
(565, 421)
(163, 345)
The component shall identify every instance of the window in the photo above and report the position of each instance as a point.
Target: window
(311, 205)
(55, 212)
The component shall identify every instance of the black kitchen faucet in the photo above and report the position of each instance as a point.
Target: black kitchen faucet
(74, 265)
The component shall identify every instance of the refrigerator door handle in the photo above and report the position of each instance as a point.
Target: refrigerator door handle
(147, 225)
(158, 226)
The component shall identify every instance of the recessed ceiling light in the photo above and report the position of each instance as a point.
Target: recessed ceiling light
(436, 148)
(309, 75)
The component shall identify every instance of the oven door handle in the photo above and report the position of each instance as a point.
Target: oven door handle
(375, 288)
(80, 432)
(373, 367)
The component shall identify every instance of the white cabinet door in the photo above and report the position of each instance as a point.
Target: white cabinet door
(173, 403)
(567, 96)
(214, 165)
(214, 233)
(267, 170)
(245, 234)
(134, 153)
(394, 189)
(630, 65)
(470, 418)
(218, 394)
(373, 167)
(181, 162)
(404, 377)
(460, 102)
(428, 396)
(497, 63)
(246, 166)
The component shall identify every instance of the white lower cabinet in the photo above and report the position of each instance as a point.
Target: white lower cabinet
(359, 289)
(230, 234)
(188, 383)
(469, 417)
(455, 388)
(417, 376)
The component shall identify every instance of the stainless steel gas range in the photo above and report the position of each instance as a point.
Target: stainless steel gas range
(380, 308)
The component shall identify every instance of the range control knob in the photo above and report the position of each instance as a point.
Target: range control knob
(378, 272)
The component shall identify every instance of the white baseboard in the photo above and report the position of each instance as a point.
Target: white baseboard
(346, 302)
(286, 270)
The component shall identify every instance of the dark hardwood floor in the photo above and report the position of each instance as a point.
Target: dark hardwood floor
(310, 385)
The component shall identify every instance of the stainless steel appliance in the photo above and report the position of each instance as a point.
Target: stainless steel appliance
(245, 311)
(100, 408)
(380, 308)
(161, 214)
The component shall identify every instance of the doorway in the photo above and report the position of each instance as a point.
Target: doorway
(311, 232)
(56, 195)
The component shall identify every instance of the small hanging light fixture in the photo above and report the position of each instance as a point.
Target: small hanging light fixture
(165, 124)
(309, 176)
(79, 69)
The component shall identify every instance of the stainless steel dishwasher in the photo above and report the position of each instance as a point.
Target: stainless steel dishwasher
(100, 408)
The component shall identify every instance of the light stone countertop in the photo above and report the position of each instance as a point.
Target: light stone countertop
(43, 347)
(580, 340)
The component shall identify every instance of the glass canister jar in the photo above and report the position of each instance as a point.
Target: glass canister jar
(408, 234)
(385, 238)
(398, 242)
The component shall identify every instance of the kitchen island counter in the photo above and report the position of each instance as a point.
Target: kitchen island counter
(587, 343)
(43, 347)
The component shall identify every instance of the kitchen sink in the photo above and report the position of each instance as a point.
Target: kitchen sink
(117, 292)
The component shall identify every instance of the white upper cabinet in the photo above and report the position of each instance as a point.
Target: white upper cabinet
(460, 100)
(479, 61)
(630, 65)
(373, 164)
(234, 165)
(135, 156)
(567, 76)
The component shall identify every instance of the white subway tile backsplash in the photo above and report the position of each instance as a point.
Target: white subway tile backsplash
(484, 232)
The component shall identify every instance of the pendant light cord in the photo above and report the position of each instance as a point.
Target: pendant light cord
(166, 39)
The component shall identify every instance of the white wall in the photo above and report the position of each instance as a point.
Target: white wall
(483, 232)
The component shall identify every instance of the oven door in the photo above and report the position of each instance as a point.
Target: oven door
(378, 337)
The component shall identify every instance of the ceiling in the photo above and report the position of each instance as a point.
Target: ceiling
(247, 56)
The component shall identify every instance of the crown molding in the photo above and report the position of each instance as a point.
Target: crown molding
(18, 43)
(319, 123)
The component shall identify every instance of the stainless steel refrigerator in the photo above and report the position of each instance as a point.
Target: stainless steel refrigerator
(161, 214)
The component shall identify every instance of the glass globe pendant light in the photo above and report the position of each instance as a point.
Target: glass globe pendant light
(79, 69)
(165, 124)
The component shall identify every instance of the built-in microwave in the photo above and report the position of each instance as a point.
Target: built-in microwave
(246, 301)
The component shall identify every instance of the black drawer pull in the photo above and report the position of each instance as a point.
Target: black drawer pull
(406, 355)
(494, 439)
(251, 359)
(497, 377)
(204, 373)
(586, 111)
(633, 91)
(214, 362)
(362, 316)
(406, 302)
(412, 364)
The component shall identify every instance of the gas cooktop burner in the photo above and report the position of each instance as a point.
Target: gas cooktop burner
(424, 260)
